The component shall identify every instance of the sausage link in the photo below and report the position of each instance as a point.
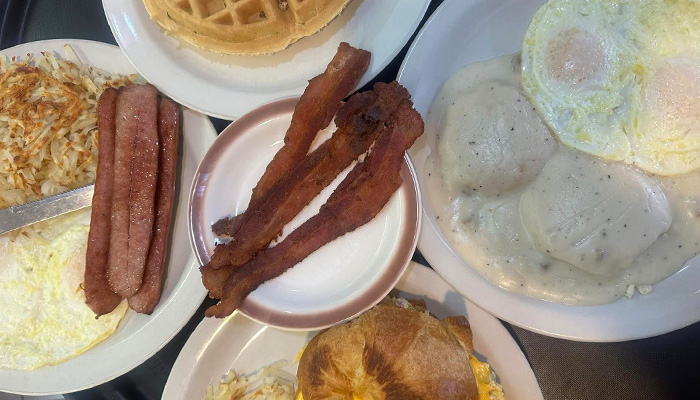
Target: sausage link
(135, 170)
(146, 299)
(98, 294)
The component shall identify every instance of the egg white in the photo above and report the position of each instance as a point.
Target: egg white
(45, 320)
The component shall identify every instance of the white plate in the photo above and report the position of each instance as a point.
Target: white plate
(138, 336)
(245, 346)
(339, 280)
(461, 32)
(228, 86)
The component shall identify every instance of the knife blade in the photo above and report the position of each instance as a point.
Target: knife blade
(22, 215)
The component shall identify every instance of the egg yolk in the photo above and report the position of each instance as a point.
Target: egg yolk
(575, 57)
(674, 93)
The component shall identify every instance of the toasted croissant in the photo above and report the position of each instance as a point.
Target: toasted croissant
(390, 353)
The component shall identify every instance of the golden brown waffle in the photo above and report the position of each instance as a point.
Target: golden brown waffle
(243, 26)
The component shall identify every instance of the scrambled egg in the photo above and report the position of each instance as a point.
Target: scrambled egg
(45, 320)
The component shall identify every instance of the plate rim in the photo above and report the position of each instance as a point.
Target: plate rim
(498, 301)
(206, 330)
(91, 46)
(421, 9)
(377, 289)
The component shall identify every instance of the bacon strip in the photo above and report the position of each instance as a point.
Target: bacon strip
(387, 96)
(98, 295)
(357, 201)
(135, 169)
(314, 111)
(265, 220)
(146, 299)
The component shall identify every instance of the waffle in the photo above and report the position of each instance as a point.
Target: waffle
(243, 26)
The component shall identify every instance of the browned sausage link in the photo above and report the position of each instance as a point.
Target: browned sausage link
(125, 130)
(134, 179)
(142, 194)
(98, 295)
(145, 300)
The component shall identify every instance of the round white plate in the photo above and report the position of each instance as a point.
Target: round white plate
(228, 86)
(138, 336)
(461, 32)
(339, 280)
(245, 346)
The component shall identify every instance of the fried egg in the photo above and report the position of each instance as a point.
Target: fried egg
(664, 126)
(619, 79)
(577, 69)
(45, 320)
(665, 130)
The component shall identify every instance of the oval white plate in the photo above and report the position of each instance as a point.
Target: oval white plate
(139, 336)
(461, 32)
(245, 346)
(228, 86)
(339, 280)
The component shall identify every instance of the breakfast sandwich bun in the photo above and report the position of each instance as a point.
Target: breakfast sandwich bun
(391, 352)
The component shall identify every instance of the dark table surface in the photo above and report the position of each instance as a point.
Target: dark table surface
(663, 367)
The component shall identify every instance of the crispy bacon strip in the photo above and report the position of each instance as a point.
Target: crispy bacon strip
(355, 106)
(314, 111)
(388, 95)
(264, 221)
(98, 295)
(146, 299)
(357, 201)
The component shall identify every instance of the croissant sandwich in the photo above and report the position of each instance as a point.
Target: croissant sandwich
(396, 351)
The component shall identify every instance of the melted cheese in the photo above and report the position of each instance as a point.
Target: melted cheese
(488, 388)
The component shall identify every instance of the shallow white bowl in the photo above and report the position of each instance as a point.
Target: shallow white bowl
(464, 31)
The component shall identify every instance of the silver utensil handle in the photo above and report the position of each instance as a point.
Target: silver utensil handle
(26, 214)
